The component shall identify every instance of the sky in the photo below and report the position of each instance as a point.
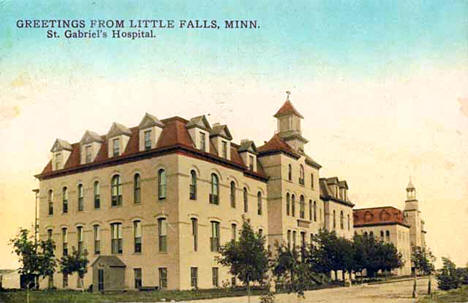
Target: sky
(383, 87)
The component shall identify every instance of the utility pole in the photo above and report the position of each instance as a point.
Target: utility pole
(36, 193)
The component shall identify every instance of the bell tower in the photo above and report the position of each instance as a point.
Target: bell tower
(289, 125)
(413, 215)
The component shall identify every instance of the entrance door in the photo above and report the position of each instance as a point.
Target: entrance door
(100, 279)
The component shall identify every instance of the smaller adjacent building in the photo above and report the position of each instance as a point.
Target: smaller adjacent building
(387, 224)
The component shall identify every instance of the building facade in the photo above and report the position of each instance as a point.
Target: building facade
(152, 204)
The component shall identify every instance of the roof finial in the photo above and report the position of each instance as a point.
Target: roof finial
(287, 95)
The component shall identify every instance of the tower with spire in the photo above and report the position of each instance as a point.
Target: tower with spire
(289, 125)
(412, 216)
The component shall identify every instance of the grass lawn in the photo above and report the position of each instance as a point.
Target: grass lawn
(69, 296)
(454, 295)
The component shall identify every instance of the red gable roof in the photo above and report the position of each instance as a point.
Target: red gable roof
(277, 144)
(173, 136)
(378, 216)
(287, 108)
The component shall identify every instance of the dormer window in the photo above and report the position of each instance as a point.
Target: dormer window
(116, 147)
(148, 139)
(88, 153)
(58, 160)
(251, 162)
(202, 141)
(224, 149)
(248, 153)
(90, 145)
(60, 151)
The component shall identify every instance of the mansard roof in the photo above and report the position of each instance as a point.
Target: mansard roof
(220, 130)
(174, 138)
(149, 121)
(59, 145)
(90, 137)
(247, 146)
(118, 129)
(385, 215)
(287, 109)
(200, 122)
(326, 191)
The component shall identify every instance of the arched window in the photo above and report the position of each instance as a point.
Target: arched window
(97, 196)
(116, 191)
(214, 196)
(371, 234)
(246, 200)
(334, 219)
(288, 204)
(65, 200)
(116, 238)
(193, 185)
(349, 223)
(382, 235)
(259, 203)
(315, 211)
(387, 234)
(289, 172)
(310, 210)
(137, 188)
(97, 239)
(233, 194)
(293, 205)
(301, 174)
(162, 234)
(80, 197)
(162, 184)
(50, 200)
(137, 236)
(341, 220)
(195, 233)
(301, 207)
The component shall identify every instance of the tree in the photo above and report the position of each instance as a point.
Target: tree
(247, 259)
(423, 261)
(292, 271)
(448, 278)
(390, 257)
(37, 259)
(322, 252)
(76, 262)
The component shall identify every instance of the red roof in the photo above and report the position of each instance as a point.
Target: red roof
(277, 144)
(173, 135)
(287, 108)
(378, 216)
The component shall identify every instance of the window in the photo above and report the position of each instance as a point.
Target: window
(79, 235)
(303, 241)
(137, 236)
(224, 149)
(251, 162)
(315, 211)
(137, 277)
(193, 185)
(50, 198)
(293, 205)
(116, 191)
(289, 239)
(65, 200)
(116, 240)
(301, 175)
(97, 196)
(97, 239)
(260, 232)
(49, 234)
(137, 188)
(341, 220)
(371, 234)
(233, 194)
(382, 235)
(349, 223)
(162, 184)
(80, 198)
(387, 235)
(288, 204)
(246, 200)
(147, 134)
(214, 240)
(334, 219)
(162, 234)
(64, 242)
(289, 172)
(194, 277)
(162, 277)
(65, 281)
(202, 141)
(294, 239)
(310, 210)
(259, 203)
(233, 231)
(215, 274)
(116, 147)
(58, 160)
(88, 153)
(214, 196)
(301, 207)
(195, 233)
(312, 181)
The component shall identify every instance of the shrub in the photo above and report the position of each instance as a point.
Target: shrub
(448, 277)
